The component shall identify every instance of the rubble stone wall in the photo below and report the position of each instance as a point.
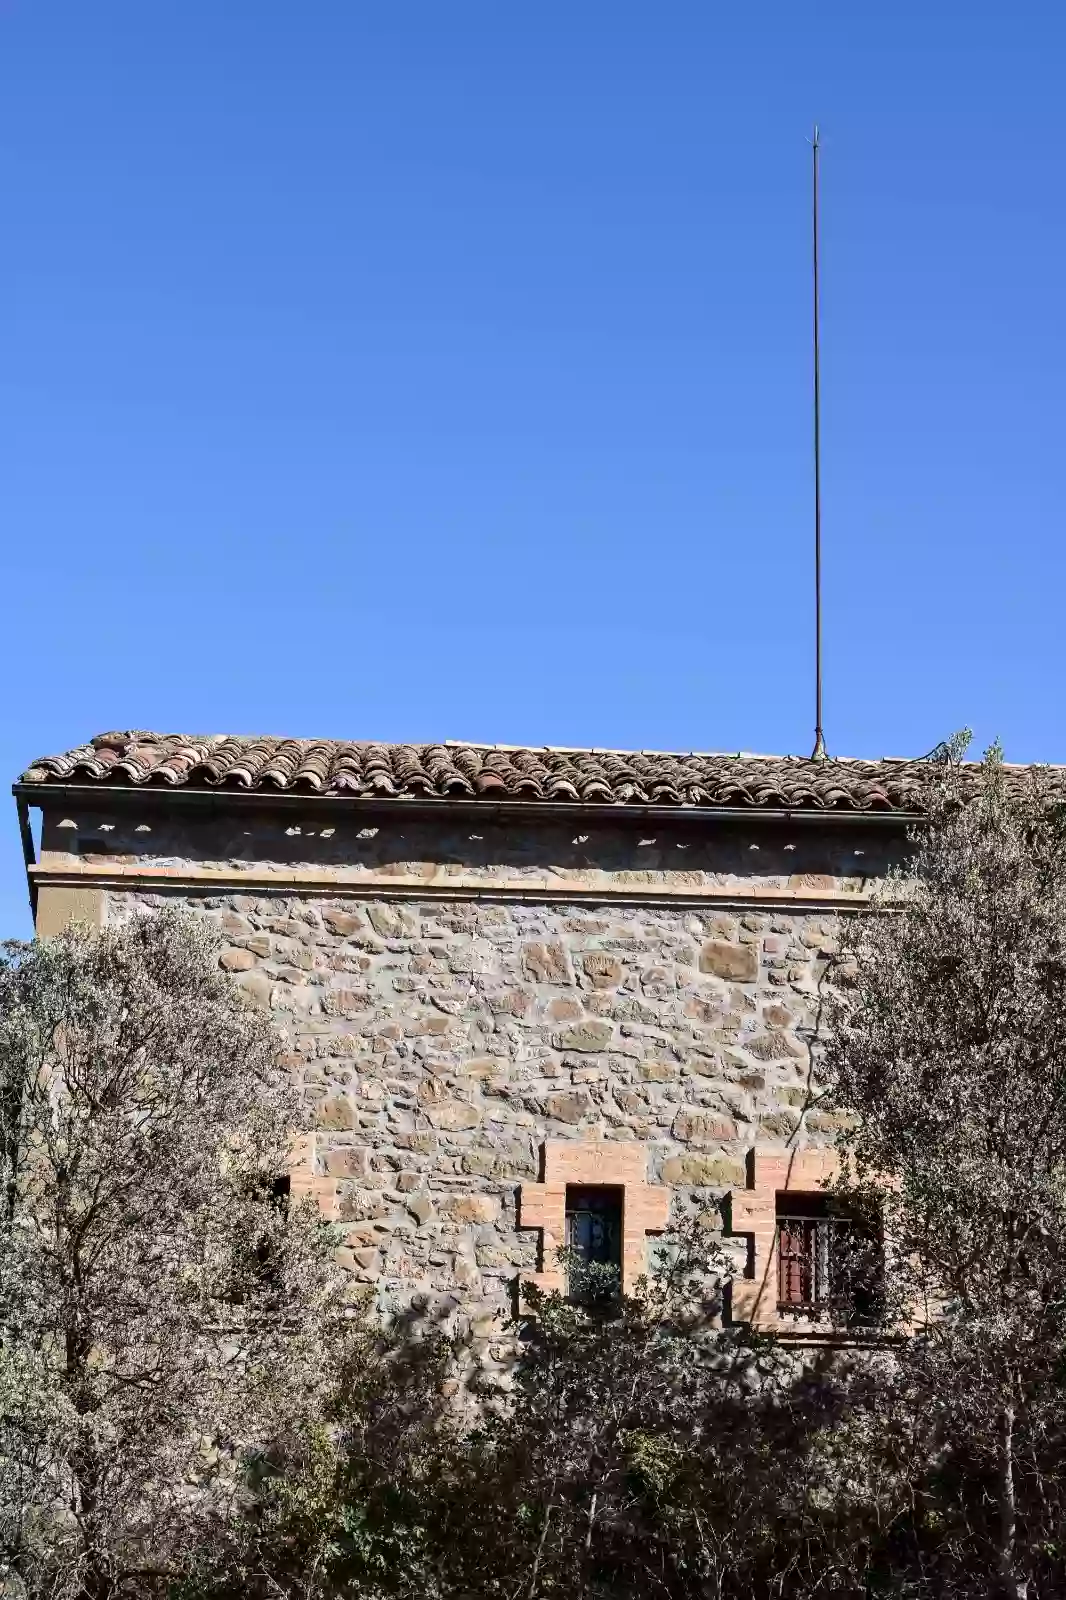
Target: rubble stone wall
(442, 1040)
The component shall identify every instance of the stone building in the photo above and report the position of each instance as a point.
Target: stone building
(533, 995)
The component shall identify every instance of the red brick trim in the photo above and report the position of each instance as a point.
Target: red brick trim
(753, 1211)
(645, 1206)
(307, 1178)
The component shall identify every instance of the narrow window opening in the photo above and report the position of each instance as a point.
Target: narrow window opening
(593, 1243)
(277, 1192)
(830, 1260)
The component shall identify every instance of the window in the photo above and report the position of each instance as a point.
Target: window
(829, 1259)
(258, 1255)
(277, 1193)
(593, 1243)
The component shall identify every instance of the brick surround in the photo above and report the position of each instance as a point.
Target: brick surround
(752, 1211)
(645, 1206)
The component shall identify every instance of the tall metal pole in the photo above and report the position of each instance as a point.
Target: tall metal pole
(819, 751)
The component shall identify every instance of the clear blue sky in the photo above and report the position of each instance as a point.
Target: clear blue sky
(408, 370)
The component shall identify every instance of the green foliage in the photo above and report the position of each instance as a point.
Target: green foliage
(341, 1503)
(948, 1047)
(642, 1449)
(160, 1314)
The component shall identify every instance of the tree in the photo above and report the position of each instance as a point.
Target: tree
(640, 1451)
(646, 1451)
(948, 1046)
(344, 1501)
(162, 1308)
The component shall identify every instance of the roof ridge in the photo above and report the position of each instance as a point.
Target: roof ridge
(152, 736)
(646, 750)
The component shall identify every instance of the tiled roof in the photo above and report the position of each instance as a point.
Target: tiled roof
(488, 773)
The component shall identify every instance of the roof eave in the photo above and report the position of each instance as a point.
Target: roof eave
(220, 800)
(154, 796)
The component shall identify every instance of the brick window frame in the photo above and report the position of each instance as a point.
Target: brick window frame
(753, 1211)
(592, 1164)
(309, 1180)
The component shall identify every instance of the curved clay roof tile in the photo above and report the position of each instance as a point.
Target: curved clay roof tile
(467, 762)
(590, 777)
(597, 789)
(490, 783)
(560, 788)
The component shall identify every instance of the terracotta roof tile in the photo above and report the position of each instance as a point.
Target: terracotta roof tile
(488, 772)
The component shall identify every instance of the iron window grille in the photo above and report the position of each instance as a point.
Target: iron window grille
(829, 1260)
(593, 1243)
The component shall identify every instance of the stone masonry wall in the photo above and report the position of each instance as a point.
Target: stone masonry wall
(442, 1044)
(443, 1037)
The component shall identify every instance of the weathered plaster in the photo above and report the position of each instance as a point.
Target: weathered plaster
(59, 904)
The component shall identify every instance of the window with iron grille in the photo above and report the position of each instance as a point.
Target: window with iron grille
(593, 1242)
(829, 1259)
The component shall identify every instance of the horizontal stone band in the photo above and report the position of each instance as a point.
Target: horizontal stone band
(462, 886)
